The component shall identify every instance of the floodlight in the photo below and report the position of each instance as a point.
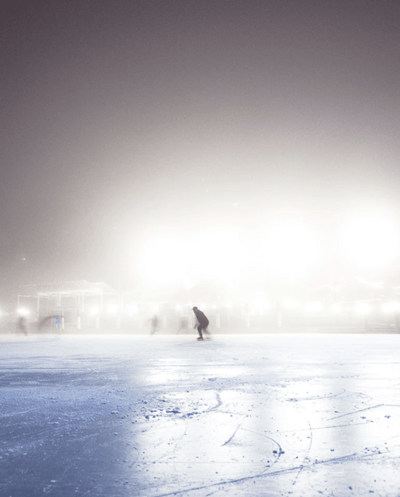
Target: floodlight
(22, 311)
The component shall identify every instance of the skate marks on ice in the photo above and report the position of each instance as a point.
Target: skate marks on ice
(216, 445)
(192, 424)
(226, 451)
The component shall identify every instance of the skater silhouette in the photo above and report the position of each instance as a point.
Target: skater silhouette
(154, 324)
(202, 323)
(21, 325)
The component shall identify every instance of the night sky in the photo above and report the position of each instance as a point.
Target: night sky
(125, 119)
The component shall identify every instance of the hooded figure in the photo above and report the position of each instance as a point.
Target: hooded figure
(202, 320)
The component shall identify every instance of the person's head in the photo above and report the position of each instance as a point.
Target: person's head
(194, 309)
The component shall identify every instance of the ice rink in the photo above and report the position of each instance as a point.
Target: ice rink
(256, 415)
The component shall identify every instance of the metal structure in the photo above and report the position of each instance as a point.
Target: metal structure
(66, 296)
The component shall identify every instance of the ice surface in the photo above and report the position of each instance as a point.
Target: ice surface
(254, 415)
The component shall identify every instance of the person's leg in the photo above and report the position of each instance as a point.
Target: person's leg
(199, 329)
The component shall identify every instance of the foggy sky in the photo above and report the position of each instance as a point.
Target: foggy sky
(121, 118)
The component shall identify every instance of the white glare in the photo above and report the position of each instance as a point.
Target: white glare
(362, 308)
(390, 307)
(216, 254)
(132, 309)
(313, 307)
(370, 241)
(290, 303)
(289, 248)
(164, 261)
(22, 311)
(94, 311)
(112, 309)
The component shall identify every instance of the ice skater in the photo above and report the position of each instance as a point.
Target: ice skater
(21, 325)
(154, 324)
(201, 324)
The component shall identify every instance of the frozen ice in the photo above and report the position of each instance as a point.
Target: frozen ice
(242, 415)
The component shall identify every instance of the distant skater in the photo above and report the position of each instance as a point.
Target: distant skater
(202, 323)
(154, 324)
(21, 325)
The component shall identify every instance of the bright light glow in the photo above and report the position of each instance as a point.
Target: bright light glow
(378, 285)
(289, 248)
(259, 304)
(22, 311)
(132, 309)
(164, 261)
(290, 303)
(188, 283)
(286, 248)
(362, 308)
(94, 311)
(313, 307)
(215, 254)
(257, 310)
(370, 241)
(112, 309)
(390, 307)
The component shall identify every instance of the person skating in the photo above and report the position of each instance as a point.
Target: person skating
(154, 324)
(202, 323)
(21, 325)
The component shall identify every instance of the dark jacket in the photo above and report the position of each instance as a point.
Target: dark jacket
(201, 318)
